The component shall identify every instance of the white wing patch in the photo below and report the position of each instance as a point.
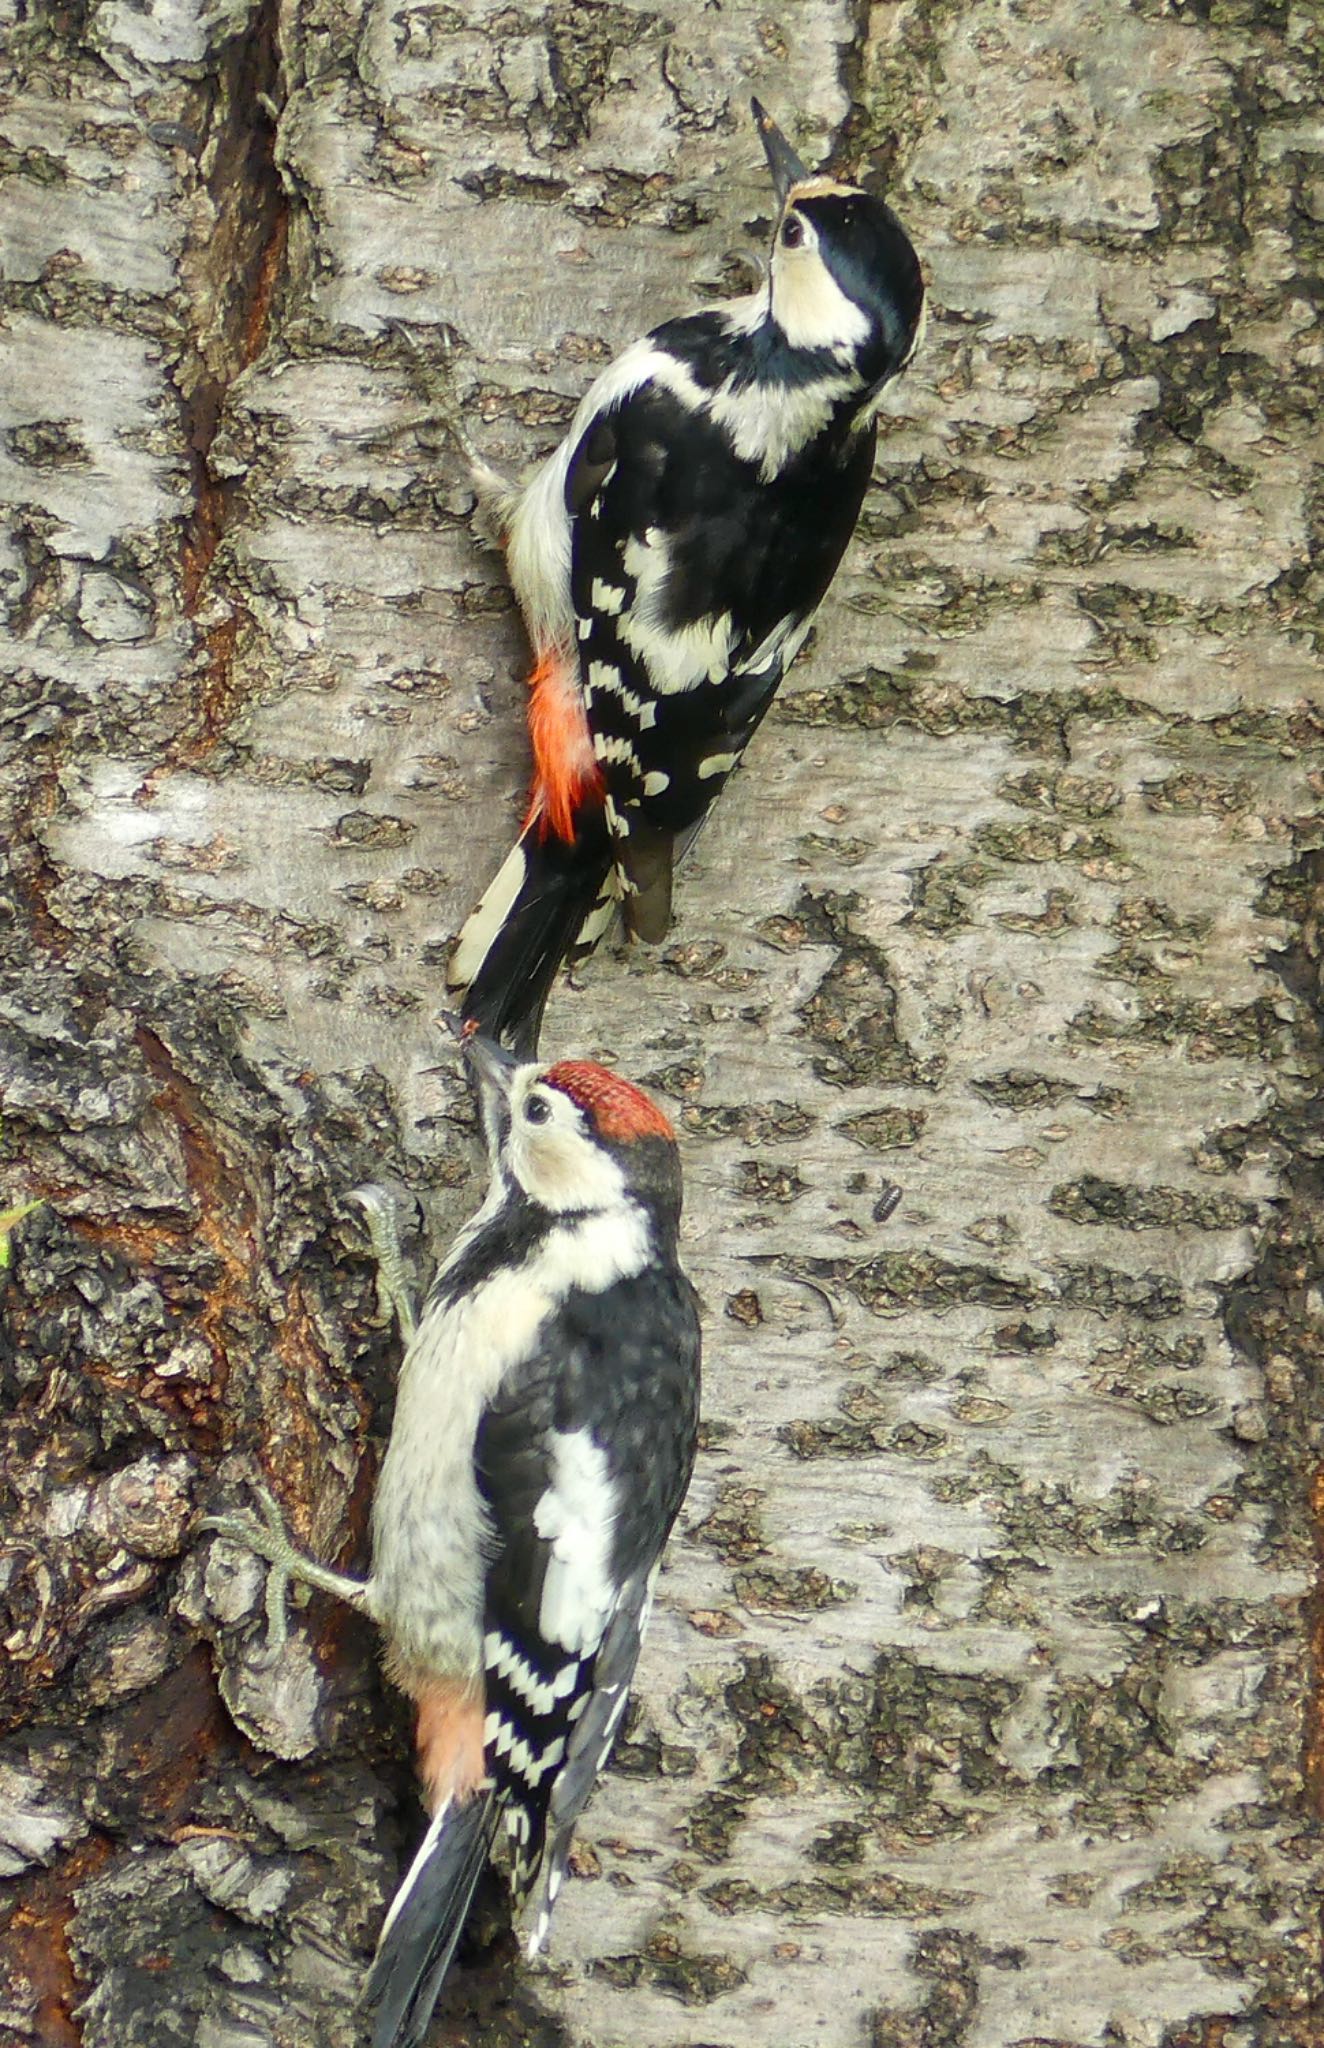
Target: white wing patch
(681, 659)
(675, 660)
(577, 1516)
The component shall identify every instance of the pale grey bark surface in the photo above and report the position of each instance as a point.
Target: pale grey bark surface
(975, 1707)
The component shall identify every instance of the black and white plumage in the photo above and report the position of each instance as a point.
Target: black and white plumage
(542, 1443)
(668, 559)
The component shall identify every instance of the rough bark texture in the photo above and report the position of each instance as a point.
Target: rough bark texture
(975, 1709)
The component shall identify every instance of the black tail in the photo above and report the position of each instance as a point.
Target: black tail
(425, 1922)
(546, 901)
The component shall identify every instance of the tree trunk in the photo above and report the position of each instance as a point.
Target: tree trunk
(974, 1707)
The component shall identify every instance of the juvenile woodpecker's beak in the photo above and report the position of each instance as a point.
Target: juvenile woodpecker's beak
(491, 1069)
(489, 1063)
(785, 165)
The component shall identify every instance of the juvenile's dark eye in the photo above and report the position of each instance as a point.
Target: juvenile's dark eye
(793, 232)
(537, 1110)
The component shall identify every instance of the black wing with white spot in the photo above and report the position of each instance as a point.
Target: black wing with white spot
(583, 1462)
(694, 580)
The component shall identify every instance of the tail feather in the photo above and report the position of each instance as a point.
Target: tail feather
(425, 1923)
(545, 902)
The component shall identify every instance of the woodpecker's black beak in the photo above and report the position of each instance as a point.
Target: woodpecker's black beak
(785, 165)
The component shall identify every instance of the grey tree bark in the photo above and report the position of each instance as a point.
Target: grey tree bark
(975, 1708)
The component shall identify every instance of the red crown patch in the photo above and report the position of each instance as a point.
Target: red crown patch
(621, 1111)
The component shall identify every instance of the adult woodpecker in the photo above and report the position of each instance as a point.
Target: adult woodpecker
(668, 559)
(542, 1444)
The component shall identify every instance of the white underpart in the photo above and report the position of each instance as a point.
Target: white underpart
(577, 1516)
(430, 1524)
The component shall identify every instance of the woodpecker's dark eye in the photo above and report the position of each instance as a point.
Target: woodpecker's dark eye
(793, 232)
(537, 1109)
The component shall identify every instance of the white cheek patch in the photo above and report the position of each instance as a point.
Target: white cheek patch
(809, 305)
(577, 1516)
(562, 1169)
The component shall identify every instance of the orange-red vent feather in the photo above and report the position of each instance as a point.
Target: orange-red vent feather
(450, 1739)
(566, 772)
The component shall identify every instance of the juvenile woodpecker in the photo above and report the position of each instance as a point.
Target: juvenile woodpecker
(542, 1444)
(668, 559)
